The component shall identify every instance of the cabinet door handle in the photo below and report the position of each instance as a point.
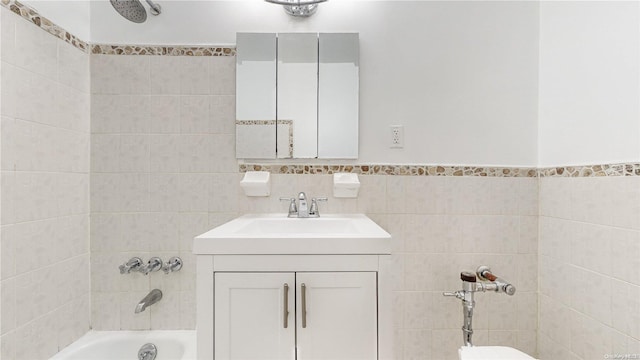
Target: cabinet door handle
(304, 305)
(286, 306)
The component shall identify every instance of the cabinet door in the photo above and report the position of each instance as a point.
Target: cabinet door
(336, 316)
(254, 316)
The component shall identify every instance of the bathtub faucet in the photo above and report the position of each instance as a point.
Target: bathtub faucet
(152, 297)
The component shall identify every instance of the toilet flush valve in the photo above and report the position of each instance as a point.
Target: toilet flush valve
(495, 283)
(471, 285)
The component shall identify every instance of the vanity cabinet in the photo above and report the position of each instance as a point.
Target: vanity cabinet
(303, 315)
(273, 287)
(296, 307)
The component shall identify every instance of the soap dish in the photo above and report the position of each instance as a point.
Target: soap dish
(345, 185)
(256, 183)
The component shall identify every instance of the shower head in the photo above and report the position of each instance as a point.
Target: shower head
(133, 10)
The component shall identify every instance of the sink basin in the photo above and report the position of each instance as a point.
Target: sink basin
(278, 234)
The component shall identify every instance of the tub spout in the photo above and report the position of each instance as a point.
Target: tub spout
(152, 297)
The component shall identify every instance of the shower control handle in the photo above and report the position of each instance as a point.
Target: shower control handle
(174, 264)
(132, 265)
(154, 264)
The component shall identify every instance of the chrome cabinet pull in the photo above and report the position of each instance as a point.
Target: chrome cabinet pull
(286, 306)
(304, 305)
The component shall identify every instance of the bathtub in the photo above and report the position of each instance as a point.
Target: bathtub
(124, 345)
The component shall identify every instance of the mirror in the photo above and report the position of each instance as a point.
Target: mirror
(256, 97)
(338, 88)
(313, 110)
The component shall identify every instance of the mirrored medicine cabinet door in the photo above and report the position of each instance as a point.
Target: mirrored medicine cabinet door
(297, 95)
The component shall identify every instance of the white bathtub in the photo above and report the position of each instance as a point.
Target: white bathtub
(124, 345)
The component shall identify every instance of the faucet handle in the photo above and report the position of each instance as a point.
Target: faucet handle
(314, 210)
(293, 208)
(154, 264)
(132, 265)
(174, 264)
(456, 294)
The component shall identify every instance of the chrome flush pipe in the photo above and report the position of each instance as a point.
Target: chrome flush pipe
(468, 303)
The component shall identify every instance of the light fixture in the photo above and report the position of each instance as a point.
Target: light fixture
(301, 8)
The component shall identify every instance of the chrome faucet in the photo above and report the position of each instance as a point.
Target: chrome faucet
(174, 264)
(133, 264)
(154, 264)
(152, 297)
(470, 286)
(302, 208)
(147, 352)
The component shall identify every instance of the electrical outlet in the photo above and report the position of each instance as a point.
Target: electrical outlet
(396, 137)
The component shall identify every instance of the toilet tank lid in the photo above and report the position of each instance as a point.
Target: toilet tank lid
(491, 353)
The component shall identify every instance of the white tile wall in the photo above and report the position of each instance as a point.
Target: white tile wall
(163, 170)
(589, 260)
(181, 171)
(44, 254)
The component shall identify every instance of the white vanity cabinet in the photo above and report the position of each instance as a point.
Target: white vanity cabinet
(252, 319)
(277, 288)
(304, 315)
(336, 315)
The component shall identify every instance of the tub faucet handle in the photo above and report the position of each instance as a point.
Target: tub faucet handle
(174, 264)
(132, 265)
(154, 264)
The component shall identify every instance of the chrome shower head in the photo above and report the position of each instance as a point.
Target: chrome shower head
(133, 10)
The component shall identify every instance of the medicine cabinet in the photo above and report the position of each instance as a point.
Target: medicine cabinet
(297, 95)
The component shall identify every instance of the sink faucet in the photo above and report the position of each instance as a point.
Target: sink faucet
(152, 297)
(302, 209)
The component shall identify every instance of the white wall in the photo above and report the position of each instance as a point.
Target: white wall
(589, 88)
(460, 76)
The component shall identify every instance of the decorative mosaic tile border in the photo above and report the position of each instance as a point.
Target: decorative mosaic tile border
(409, 170)
(45, 24)
(289, 124)
(627, 169)
(102, 49)
(272, 122)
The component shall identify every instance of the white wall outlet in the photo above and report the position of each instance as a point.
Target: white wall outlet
(396, 136)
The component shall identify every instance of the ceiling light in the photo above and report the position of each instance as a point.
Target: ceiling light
(301, 8)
